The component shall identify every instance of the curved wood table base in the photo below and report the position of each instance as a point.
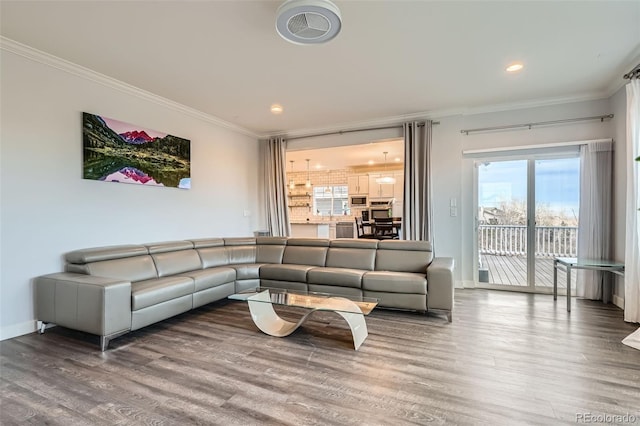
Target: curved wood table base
(268, 321)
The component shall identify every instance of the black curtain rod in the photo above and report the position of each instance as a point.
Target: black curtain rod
(634, 73)
(342, 132)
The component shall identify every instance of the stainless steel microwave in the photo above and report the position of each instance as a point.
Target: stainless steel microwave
(359, 201)
(379, 213)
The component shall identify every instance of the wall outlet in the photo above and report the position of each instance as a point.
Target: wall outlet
(453, 211)
(247, 213)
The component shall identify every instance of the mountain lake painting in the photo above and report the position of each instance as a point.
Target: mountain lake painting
(115, 151)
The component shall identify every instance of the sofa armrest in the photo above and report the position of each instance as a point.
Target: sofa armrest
(440, 284)
(87, 303)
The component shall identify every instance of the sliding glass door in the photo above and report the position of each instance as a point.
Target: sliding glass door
(502, 222)
(557, 199)
(527, 213)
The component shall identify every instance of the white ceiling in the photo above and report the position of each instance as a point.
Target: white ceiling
(363, 156)
(392, 59)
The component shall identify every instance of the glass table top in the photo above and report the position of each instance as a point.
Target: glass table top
(576, 262)
(309, 299)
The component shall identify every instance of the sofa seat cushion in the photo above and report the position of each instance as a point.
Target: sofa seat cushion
(395, 282)
(212, 277)
(293, 273)
(342, 277)
(247, 271)
(151, 292)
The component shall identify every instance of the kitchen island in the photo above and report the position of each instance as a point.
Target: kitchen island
(316, 228)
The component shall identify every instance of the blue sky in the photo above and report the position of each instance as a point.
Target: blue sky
(557, 183)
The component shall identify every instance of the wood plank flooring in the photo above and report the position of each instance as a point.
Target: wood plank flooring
(512, 271)
(507, 359)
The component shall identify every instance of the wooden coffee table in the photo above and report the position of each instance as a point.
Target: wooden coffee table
(262, 300)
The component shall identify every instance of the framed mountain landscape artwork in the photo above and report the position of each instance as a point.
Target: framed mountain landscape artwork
(115, 151)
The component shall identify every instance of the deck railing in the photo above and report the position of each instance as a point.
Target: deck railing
(510, 240)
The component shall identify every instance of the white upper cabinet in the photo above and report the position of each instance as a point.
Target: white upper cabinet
(358, 185)
(398, 188)
(377, 190)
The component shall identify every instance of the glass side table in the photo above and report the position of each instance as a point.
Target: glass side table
(569, 263)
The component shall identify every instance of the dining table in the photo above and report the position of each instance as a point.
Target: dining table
(385, 230)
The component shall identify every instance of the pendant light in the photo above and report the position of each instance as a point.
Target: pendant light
(308, 183)
(385, 180)
(327, 189)
(292, 184)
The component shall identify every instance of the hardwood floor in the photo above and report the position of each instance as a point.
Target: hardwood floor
(507, 358)
(512, 271)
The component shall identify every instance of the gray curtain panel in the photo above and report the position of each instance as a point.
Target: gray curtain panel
(275, 186)
(417, 217)
(595, 217)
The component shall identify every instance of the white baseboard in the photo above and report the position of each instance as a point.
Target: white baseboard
(618, 301)
(16, 330)
(468, 284)
(458, 284)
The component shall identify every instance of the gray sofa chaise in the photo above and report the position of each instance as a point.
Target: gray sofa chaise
(109, 291)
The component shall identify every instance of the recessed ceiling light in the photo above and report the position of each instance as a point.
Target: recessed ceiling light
(515, 67)
(397, 159)
(276, 109)
(318, 166)
(370, 162)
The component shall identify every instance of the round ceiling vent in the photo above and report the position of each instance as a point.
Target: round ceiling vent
(308, 21)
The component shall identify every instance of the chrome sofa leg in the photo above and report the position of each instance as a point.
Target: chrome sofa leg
(42, 326)
(449, 314)
(104, 343)
(104, 340)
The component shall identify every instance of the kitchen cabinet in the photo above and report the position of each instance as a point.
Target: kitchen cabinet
(358, 184)
(312, 230)
(377, 190)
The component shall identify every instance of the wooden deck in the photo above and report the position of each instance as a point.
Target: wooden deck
(512, 271)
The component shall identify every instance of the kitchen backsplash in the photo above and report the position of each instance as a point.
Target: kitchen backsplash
(318, 178)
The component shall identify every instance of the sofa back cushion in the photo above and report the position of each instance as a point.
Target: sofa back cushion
(306, 251)
(240, 250)
(213, 256)
(207, 242)
(352, 253)
(166, 246)
(176, 262)
(97, 254)
(403, 256)
(270, 249)
(211, 251)
(132, 269)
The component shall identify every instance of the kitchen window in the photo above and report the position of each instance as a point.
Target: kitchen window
(331, 200)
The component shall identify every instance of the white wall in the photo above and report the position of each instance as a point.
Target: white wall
(47, 209)
(538, 135)
(453, 174)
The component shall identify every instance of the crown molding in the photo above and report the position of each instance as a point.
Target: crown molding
(618, 81)
(536, 103)
(441, 114)
(44, 58)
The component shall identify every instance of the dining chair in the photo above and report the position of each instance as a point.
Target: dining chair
(360, 228)
(384, 229)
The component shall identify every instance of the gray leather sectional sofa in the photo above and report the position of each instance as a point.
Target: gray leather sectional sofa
(109, 291)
